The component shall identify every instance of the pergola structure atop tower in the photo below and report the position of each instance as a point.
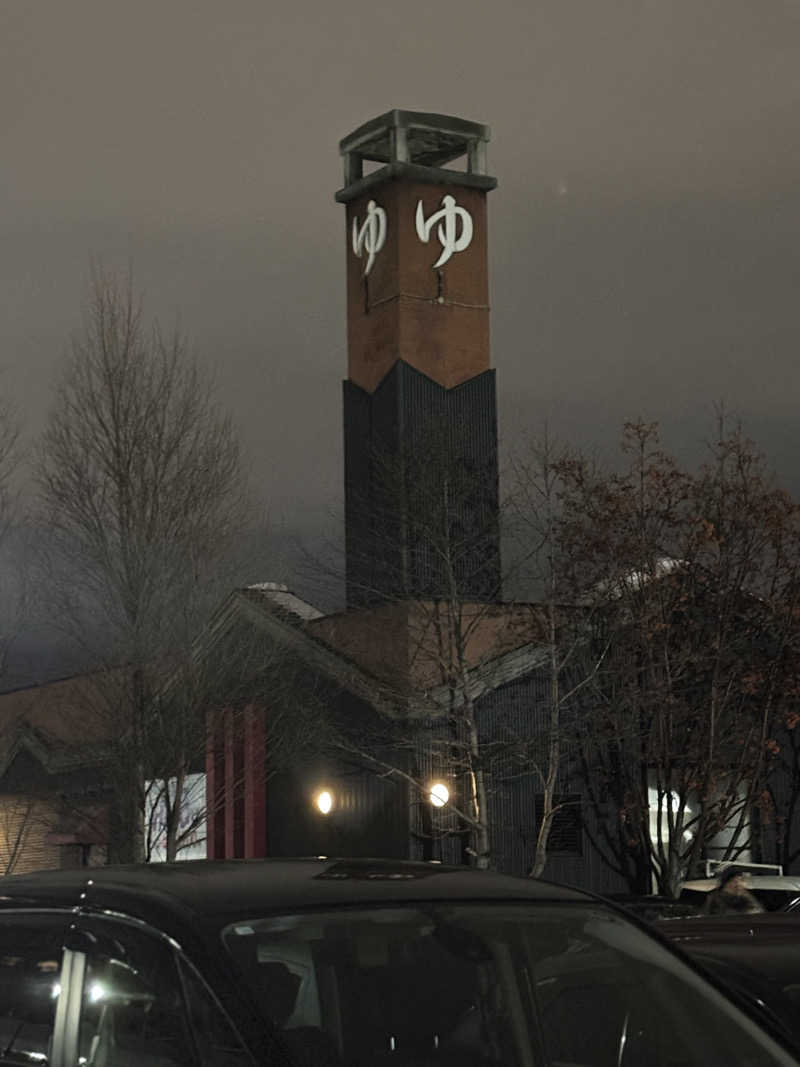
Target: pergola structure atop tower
(409, 141)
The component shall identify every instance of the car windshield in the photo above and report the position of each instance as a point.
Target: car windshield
(487, 984)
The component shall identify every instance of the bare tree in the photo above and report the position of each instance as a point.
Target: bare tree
(562, 620)
(142, 497)
(244, 673)
(664, 617)
(14, 592)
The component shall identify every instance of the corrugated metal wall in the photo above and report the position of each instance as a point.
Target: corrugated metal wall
(412, 429)
(370, 812)
(517, 710)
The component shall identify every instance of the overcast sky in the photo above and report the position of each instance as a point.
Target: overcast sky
(644, 238)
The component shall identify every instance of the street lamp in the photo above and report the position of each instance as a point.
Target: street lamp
(324, 801)
(439, 794)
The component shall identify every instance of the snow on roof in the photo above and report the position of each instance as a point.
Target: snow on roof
(635, 579)
(284, 598)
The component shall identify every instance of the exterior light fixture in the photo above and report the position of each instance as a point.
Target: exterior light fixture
(324, 801)
(439, 794)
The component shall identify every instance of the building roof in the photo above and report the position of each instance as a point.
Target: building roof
(285, 619)
(348, 647)
(281, 597)
(63, 724)
(492, 674)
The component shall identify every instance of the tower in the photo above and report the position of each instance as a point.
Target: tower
(420, 418)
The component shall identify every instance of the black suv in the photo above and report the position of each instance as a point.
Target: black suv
(348, 963)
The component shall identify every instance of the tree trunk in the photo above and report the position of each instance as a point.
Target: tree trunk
(553, 745)
(174, 809)
(126, 838)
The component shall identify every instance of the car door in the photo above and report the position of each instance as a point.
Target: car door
(32, 1004)
(140, 1003)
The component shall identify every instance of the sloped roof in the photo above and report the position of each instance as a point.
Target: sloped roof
(69, 710)
(277, 610)
(282, 598)
(286, 617)
(63, 724)
(492, 674)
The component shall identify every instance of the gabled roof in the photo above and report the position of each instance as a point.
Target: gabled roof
(50, 753)
(492, 674)
(283, 599)
(60, 723)
(277, 611)
(284, 617)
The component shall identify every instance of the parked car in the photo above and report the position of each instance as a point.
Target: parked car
(355, 963)
(757, 955)
(773, 891)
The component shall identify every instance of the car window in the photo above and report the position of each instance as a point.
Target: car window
(30, 985)
(763, 991)
(773, 899)
(697, 898)
(131, 1012)
(217, 1042)
(633, 1007)
(485, 986)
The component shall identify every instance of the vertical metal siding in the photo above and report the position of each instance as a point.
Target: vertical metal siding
(520, 709)
(399, 419)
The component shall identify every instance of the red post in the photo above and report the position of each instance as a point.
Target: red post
(230, 782)
(215, 788)
(255, 787)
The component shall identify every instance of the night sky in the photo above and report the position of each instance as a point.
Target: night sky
(644, 238)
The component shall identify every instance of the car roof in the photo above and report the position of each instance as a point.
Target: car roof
(215, 891)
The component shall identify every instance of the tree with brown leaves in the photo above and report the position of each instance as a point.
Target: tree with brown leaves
(691, 577)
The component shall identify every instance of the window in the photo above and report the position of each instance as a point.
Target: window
(488, 984)
(566, 829)
(217, 1043)
(30, 971)
(132, 1004)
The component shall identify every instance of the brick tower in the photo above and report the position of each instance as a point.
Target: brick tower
(420, 417)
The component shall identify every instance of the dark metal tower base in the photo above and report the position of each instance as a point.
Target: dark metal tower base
(421, 489)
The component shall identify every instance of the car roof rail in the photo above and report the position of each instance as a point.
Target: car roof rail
(714, 867)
